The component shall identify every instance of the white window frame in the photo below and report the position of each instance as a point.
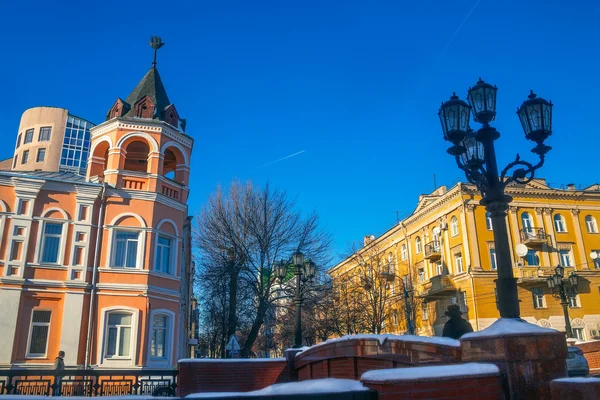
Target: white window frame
(174, 244)
(527, 223)
(403, 252)
(560, 225)
(42, 243)
(140, 247)
(488, 221)
(562, 253)
(418, 245)
(579, 333)
(454, 226)
(169, 337)
(39, 251)
(538, 298)
(102, 343)
(458, 263)
(462, 301)
(493, 260)
(439, 268)
(591, 224)
(573, 299)
(534, 254)
(422, 276)
(596, 262)
(31, 325)
(424, 312)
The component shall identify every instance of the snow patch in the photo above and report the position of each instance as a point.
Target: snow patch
(438, 371)
(329, 385)
(443, 341)
(509, 327)
(578, 380)
(229, 360)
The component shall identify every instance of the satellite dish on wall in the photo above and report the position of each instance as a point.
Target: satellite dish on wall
(522, 250)
(594, 255)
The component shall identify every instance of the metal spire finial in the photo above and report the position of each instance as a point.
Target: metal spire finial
(156, 43)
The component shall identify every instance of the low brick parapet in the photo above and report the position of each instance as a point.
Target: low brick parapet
(575, 389)
(230, 375)
(591, 351)
(460, 381)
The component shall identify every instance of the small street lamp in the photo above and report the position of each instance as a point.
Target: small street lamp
(559, 292)
(304, 271)
(475, 155)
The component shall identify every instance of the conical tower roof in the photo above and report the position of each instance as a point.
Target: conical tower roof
(151, 85)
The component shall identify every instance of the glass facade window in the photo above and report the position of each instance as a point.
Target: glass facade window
(76, 145)
(45, 132)
(28, 136)
(41, 155)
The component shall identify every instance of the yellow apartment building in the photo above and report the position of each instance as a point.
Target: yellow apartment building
(445, 249)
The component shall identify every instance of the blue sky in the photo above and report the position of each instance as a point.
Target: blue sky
(355, 84)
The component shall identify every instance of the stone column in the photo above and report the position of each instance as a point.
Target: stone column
(549, 227)
(546, 248)
(465, 238)
(514, 224)
(528, 361)
(580, 243)
(472, 232)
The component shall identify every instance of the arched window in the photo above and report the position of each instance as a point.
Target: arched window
(390, 263)
(161, 338)
(418, 246)
(137, 156)
(128, 239)
(488, 221)
(437, 235)
(559, 223)
(590, 224)
(403, 252)
(527, 222)
(454, 226)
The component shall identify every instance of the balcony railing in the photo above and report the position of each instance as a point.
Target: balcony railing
(89, 383)
(438, 285)
(433, 250)
(533, 236)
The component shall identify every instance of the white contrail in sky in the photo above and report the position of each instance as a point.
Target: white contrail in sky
(457, 30)
(281, 159)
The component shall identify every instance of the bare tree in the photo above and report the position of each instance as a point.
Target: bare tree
(411, 299)
(259, 226)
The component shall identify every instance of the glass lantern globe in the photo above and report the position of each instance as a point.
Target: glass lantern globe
(574, 279)
(298, 258)
(482, 98)
(551, 283)
(454, 117)
(536, 118)
(473, 154)
(280, 270)
(309, 269)
(560, 271)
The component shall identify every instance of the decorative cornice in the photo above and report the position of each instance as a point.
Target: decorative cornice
(135, 124)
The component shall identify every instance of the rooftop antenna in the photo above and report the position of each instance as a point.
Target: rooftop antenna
(156, 43)
(434, 183)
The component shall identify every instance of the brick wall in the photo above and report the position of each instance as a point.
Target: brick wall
(591, 351)
(229, 375)
(579, 389)
(351, 358)
(484, 387)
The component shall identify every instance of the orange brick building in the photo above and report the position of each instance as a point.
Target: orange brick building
(98, 265)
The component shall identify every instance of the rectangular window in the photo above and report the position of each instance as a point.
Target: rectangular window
(573, 298)
(458, 263)
(424, 312)
(19, 140)
(539, 301)
(578, 333)
(45, 132)
(421, 275)
(462, 301)
(118, 335)
(125, 253)
(395, 317)
(15, 161)
(493, 259)
(38, 334)
(439, 268)
(159, 336)
(532, 258)
(565, 258)
(28, 136)
(163, 255)
(41, 155)
(25, 157)
(51, 242)
(597, 259)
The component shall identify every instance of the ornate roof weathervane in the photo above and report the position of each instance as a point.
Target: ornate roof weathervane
(156, 43)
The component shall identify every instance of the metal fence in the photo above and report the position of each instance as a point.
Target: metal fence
(90, 382)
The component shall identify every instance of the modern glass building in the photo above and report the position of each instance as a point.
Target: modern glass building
(76, 145)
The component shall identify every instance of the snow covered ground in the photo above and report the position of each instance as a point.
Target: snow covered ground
(509, 327)
(383, 338)
(329, 385)
(578, 380)
(432, 372)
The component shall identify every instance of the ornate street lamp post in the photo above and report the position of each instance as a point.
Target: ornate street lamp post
(559, 292)
(475, 155)
(304, 271)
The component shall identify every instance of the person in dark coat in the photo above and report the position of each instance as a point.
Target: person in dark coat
(456, 326)
(59, 366)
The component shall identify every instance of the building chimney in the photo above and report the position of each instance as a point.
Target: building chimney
(570, 186)
(368, 239)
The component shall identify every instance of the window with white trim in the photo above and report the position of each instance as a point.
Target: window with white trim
(532, 258)
(573, 298)
(579, 333)
(439, 268)
(590, 224)
(163, 254)
(539, 300)
(493, 262)
(421, 275)
(565, 258)
(424, 312)
(418, 248)
(158, 345)
(125, 249)
(597, 259)
(117, 342)
(458, 263)
(462, 301)
(403, 252)
(51, 239)
(559, 224)
(488, 221)
(454, 226)
(395, 317)
(38, 333)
